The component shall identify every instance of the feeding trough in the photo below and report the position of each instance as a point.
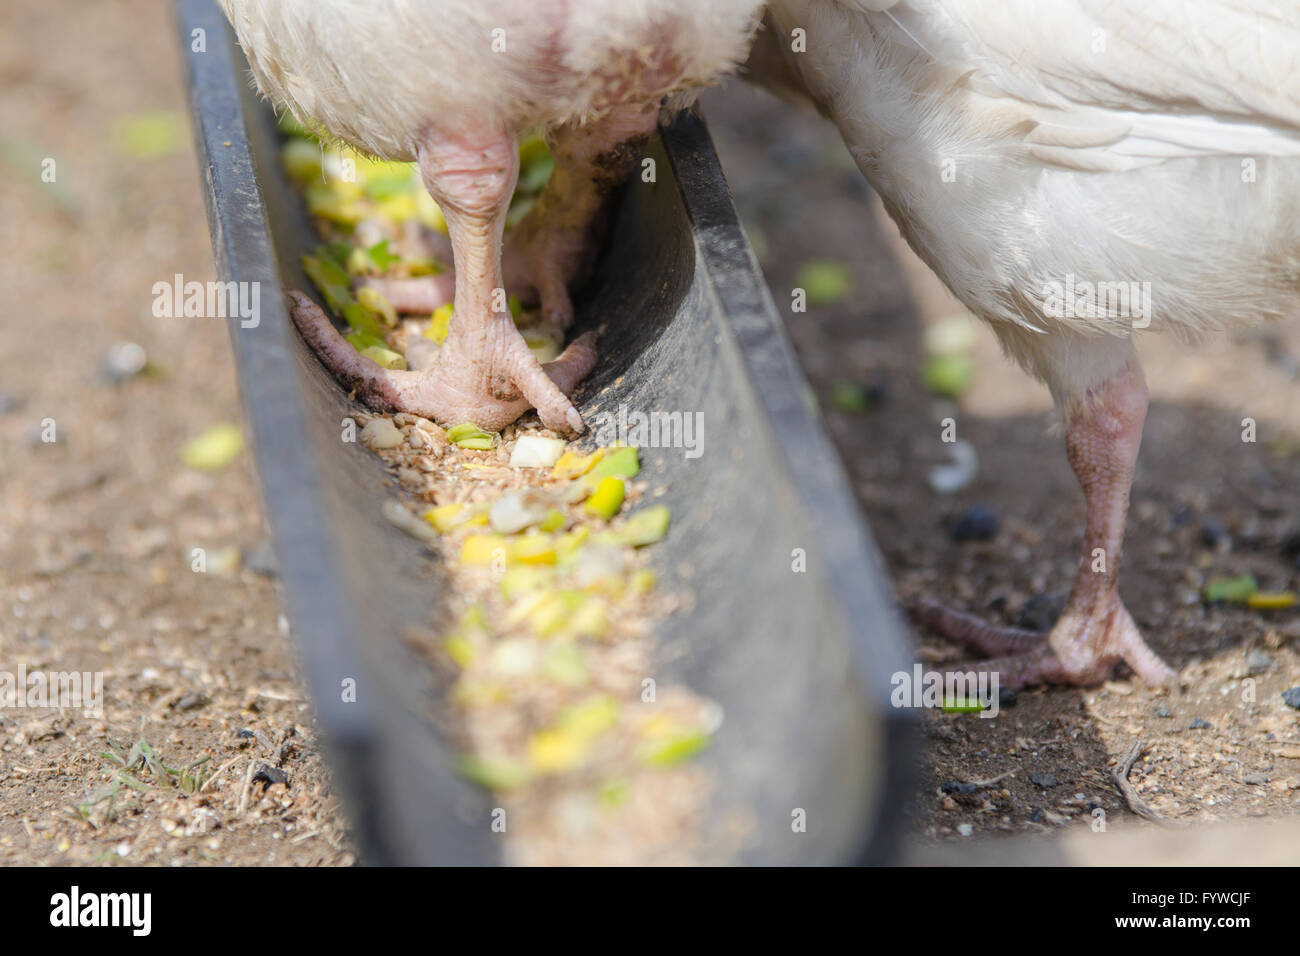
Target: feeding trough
(791, 627)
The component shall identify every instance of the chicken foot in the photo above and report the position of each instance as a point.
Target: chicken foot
(484, 371)
(1095, 632)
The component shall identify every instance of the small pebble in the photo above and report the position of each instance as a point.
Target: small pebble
(270, 775)
(1200, 723)
(124, 361)
(1006, 697)
(1040, 612)
(262, 560)
(1259, 663)
(1291, 697)
(1254, 779)
(976, 523)
(1213, 532)
(956, 786)
(1044, 780)
(1291, 547)
(1164, 711)
(965, 829)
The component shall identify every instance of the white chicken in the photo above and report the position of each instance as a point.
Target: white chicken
(451, 84)
(1072, 170)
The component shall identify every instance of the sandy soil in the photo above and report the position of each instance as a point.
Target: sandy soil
(1214, 753)
(97, 527)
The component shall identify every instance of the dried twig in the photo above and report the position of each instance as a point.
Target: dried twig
(1127, 790)
(990, 781)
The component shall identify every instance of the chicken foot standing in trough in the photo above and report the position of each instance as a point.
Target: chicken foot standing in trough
(451, 84)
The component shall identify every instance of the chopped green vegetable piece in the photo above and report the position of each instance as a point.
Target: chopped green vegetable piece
(607, 498)
(214, 448)
(385, 357)
(302, 160)
(646, 526)
(495, 774)
(591, 717)
(618, 463)
(1233, 590)
(826, 281)
(374, 300)
(469, 435)
(962, 706)
(365, 340)
(564, 664)
(675, 749)
(362, 319)
(614, 792)
(149, 135)
(850, 397)
(526, 579)
(380, 255)
(330, 278)
(949, 375)
(291, 127)
(516, 306)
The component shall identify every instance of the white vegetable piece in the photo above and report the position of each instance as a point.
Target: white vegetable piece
(381, 433)
(534, 451)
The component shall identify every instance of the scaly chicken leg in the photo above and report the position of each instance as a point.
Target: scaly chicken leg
(484, 372)
(1103, 432)
(554, 245)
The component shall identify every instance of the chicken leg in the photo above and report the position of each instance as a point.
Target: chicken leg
(553, 246)
(484, 372)
(1095, 632)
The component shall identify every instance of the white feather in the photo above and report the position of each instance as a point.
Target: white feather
(1019, 142)
(378, 73)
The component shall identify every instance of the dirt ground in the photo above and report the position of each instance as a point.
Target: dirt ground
(1205, 505)
(98, 527)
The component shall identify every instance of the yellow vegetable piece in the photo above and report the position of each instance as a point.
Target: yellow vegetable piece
(557, 751)
(572, 465)
(460, 649)
(607, 498)
(439, 324)
(554, 521)
(1271, 600)
(569, 544)
(553, 613)
(445, 517)
(590, 620)
(480, 549)
(534, 549)
(215, 448)
(643, 581)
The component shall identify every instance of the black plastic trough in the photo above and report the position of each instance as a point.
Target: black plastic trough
(799, 661)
